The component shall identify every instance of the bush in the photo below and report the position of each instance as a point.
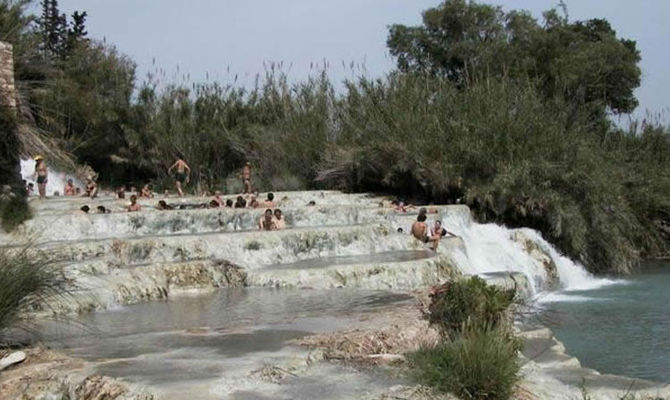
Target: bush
(13, 211)
(26, 283)
(480, 364)
(468, 301)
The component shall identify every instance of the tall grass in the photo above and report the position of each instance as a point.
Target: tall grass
(27, 283)
(477, 357)
(469, 301)
(480, 364)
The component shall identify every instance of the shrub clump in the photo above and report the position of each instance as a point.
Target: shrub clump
(26, 282)
(480, 364)
(14, 210)
(468, 301)
(478, 355)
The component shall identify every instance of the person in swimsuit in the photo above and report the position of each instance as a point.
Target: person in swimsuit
(134, 205)
(438, 230)
(240, 203)
(42, 173)
(146, 192)
(279, 219)
(181, 174)
(269, 201)
(69, 189)
(91, 188)
(246, 178)
(420, 231)
(162, 205)
(267, 222)
(218, 198)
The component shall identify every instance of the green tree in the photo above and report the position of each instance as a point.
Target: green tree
(464, 41)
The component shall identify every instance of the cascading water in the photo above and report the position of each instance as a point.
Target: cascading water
(490, 248)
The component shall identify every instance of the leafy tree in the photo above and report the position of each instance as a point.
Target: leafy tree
(465, 41)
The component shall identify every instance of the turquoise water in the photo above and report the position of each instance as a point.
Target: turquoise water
(619, 329)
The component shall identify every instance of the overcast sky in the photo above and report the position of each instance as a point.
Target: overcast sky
(223, 38)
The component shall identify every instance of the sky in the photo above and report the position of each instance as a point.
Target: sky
(201, 40)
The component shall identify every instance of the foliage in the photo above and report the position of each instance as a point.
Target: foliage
(489, 108)
(466, 41)
(26, 283)
(480, 364)
(468, 301)
(13, 205)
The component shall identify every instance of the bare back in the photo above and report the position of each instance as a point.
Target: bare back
(419, 230)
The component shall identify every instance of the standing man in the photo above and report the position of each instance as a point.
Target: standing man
(181, 175)
(246, 177)
(42, 174)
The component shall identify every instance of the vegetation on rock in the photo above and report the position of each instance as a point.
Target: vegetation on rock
(27, 281)
(477, 357)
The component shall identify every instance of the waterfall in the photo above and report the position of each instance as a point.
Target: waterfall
(491, 248)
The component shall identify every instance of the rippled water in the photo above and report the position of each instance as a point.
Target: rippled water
(195, 345)
(620, 329)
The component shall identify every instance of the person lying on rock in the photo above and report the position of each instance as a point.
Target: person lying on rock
(267, 222)
(438, 230)
(134, 205)
(420, 232)
(279, 219)
(162, 205)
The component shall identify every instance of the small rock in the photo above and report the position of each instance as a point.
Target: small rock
(14, 358)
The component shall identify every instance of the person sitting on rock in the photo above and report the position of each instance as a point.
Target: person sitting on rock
(420, 231)
(269, 201)
(279, 219)
(145, 193)
(69, 189)
(134, 205)
(267, 222)
(218, 198)
(91, 188)
(240, 203)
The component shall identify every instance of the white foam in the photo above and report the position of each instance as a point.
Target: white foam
(492, 248)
